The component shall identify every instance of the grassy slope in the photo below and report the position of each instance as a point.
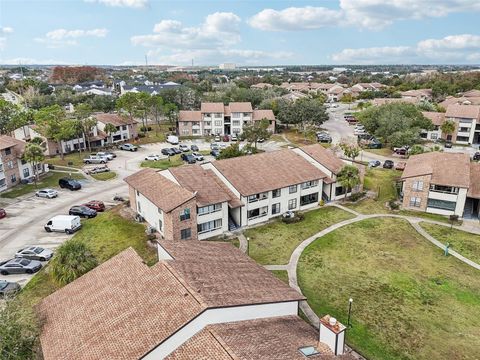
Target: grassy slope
(410, 302)
(72, 160)
(163, 164)
(274, 242)
(105, 176)
(281, 274)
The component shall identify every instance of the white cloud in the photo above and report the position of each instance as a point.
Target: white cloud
(62, 37)
(464, 48)
(371, 14)
(4, 32)
(122, 3)
(218, 29)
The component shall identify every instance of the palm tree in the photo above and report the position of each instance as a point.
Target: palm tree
(110, 129)
(448, 128)
(349, 177)
(34, 155)
(72, 260)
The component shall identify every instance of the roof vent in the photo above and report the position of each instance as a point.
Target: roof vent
(308, 351)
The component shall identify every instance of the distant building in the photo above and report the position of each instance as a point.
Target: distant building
(227, 66)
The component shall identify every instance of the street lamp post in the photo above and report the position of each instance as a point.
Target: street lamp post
(248, 246)
(350, 301)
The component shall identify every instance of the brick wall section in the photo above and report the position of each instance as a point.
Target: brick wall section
(132, 195)
(133, 131)
(183, 127)
(173, 225)
(10, 171)
(409, 192)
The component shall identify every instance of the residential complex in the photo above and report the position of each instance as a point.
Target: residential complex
(201, 201)
(202, 300)
(442, 183)
(220, 119)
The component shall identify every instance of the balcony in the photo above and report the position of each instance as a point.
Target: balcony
(257, 213)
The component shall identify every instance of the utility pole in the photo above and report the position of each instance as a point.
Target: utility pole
(146, 60)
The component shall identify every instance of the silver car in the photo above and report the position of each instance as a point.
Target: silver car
(107, 155)
(19, 266)
(8, 288)
(47, 193)
(197, 156)
(35, 253)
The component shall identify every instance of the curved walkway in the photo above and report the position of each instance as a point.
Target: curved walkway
(292, 265)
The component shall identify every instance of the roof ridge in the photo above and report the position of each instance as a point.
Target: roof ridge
(222, 343)
(184, 283)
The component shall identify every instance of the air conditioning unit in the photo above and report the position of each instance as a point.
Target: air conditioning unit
(151, 230)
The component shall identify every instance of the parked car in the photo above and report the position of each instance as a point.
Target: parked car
(359, 131)
(111, 153)
(82, 211)
(152, 157)
(224, 146)
(172, 139)
(374, 144)
(34, 253)
(388, 164)
(214, 146)
(94, 159)
(194, 147)
(8, 288)
(476, 156)
(189, 158)
(234, 137)
(215, 153)
(63, 223)
(47, 193)
(448, 144)
(217, 138)
(69, 184)
(226, 138)
(184, 147)
(19, 266)
(374, 163)
(128, 147)
(96, 169)
(324, 137)
(108, 156)
(96, 205)
(401, 150)
(176, 150)
(400, 165)
(168, 152)
(3, 213)
(197, 156)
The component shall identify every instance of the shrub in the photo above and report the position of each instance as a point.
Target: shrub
(357, 196)
(145, 128)
(393, 204)
(297, 218)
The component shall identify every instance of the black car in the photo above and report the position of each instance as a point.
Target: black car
(168, 152)
(176, 150)
(8, 288)
(388, 164)
(448, 144)
(194, 148)
(189, 158)
(476, 156)
(82, 211)
(71, 184)
(215, 153)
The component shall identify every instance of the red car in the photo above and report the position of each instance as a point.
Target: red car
(3, 213)
(95, 205)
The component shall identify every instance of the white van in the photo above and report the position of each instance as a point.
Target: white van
(63, 223)
(172, 139)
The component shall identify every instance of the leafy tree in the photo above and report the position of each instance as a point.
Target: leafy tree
(256, 131)
(109, 130)
(7, 112)
(171, 112)
(349, 177)
(72, 260)
(230, 152)
(53, 124)
(448, 128)
(347, 99)
(156, 107)
(34, 154)
(415, 150)
(303, 112)
(350, 150)
(128, 103)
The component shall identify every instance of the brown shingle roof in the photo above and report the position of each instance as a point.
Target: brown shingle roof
(324, 157)
(436, 117)
(263, 114)
(267, 171)
(472, 93)
(185, 115)
(382, 101)
(119, 310)
(210, 190)
(463, 111)
(114, 119)
(222, 275)
(416, 93)
(474, 189)
(158, 189)
(450, 169)
(240, 107)
(207, 107)
(7, 142)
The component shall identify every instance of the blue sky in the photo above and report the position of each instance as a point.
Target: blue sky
(245, 32)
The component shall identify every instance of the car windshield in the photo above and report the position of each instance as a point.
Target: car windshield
(37, 250)
(24, 262)
(3, 284)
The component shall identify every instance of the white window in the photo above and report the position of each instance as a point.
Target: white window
(218, 115)
(276, 208)
(218, 123)
(292, 204)
(160, 225)
(415, 201)
(209, 209)
(292, 189)
(236, 114)
(236, 130)
(236, 123)
(417, 186)
(185, 132)
(196, 132)
(10, 164)
(434, 136)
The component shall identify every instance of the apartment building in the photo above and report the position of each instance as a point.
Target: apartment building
(437, 119)
(202, 201)
(442, 183)
(202, 300)
(126, 127)
(467, 120)
(418, 95)
(220, 119)
(13, 169)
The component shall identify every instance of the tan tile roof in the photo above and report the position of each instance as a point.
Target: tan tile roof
(8, 141)
(158, 189)
(207, 107)
(463, 111)
(474, 100)
(240, 107)
(277, 338)
(114, 119)
(451, 169)
(254, 174)
(472, 93)
(324, 157)
(263, 114)
(418, 92)
(437, 118)
(221, 275)
(185, 115)
(210, 190)
(119, 310)
(382, 101)
(474, 189)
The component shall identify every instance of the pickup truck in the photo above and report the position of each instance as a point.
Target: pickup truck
(94, 159)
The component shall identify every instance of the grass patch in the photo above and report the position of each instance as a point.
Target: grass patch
(281, 274)
(157, 134)
(274, 242)
(425, 215)
(72, 160)
(234, 241)
(105, 176)
(50, 180)
(164, 163)
(298, 138)
(382, 152)
(410, 301)
(465, 243)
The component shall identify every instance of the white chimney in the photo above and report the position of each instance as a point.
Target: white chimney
(332, 334)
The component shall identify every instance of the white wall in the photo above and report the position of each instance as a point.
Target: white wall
(222, 214)
(220, 316)
(150, 212)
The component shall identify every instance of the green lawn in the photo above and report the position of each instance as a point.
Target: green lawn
(425, 215)
(382, 152)
(410, 301)
(466, 244)
(71, 160)
(157, 134)
(281, 274)
(50, 180)
(163, 164)
(274, 242)
(105, 176)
